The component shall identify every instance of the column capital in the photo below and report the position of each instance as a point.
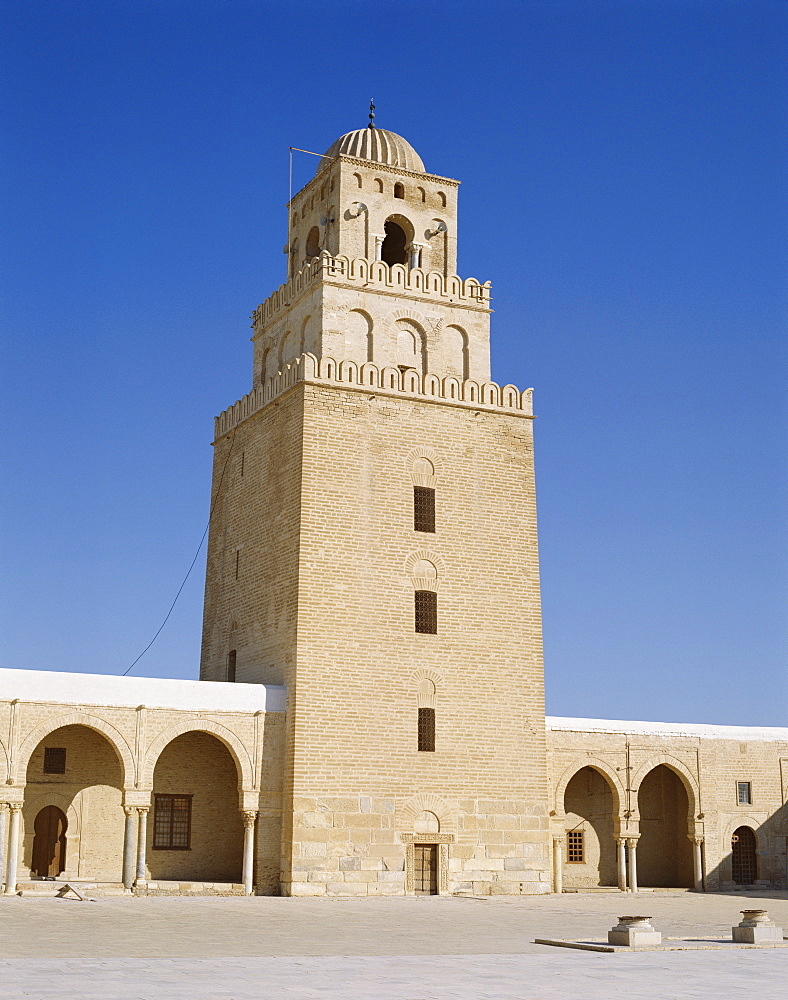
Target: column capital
(15, 806)
(249, 817)
(142, 809)
(130, 810)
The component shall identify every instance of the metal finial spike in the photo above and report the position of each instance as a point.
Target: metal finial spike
(371, 114)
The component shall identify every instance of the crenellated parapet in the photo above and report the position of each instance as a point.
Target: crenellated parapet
(387, 380)
(377, 275)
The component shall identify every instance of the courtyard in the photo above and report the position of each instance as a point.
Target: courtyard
(447, 948)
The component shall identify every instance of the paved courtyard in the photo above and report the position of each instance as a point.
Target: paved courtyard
(374, 949)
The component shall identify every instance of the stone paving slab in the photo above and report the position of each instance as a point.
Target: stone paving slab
(374, 949)
(674, 976)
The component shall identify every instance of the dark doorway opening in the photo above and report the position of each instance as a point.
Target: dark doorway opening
(425, 869)
(49, 842)
(743, 856)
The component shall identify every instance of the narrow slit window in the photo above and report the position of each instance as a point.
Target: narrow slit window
(237, 562)
(172, 822)
(54, 760)
(423, 508)
(231, 658)
(744, 793)
(426, 606)
(575, 853)
(427, 729)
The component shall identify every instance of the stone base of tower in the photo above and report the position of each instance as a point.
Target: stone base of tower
(386, 847)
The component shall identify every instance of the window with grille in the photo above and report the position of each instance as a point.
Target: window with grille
(426, 612)
(744, 793)
(423, 508)
(574, 847)
(231, 658)
(427, 729)
(172, 822)
(54, 760)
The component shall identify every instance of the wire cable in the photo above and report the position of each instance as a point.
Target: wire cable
(191, 567)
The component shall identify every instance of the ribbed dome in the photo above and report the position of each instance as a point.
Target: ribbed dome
(378, 145)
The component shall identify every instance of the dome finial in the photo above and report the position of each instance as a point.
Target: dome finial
(371, 114)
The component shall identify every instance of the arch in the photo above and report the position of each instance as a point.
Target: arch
(310, 339)
(359, 338)
(598, 764)
(378, 185)
(399, 235)
(313, 242)
(49, 841)
(288, 348)
(231, 741)
(665, 822)
(688, 779)
(744, 855)
(427, 822)
(413, 559)
(441, 199)
(426, 802)
(118, 743)
(411, 346)
(399, 190)
(359, 182)
(455, 351)
(422, 194)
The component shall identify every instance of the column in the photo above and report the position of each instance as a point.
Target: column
(128, 845)
(142, 833)
(379, 247)
(621, 860)
(697, 863)
(633, 865)
(3, 832)
(558, 864)
(248, 869)
(13, 849)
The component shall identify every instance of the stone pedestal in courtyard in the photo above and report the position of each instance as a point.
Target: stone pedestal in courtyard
(756, 928)
(634, 932)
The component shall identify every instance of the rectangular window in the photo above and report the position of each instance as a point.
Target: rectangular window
(172, 822)
(231, 657)
(744, 793)
(54, 760)
(426, 612)
(423, 508)
(427, 729)
(574, 847)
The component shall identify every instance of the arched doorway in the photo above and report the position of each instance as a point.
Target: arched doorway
(664, 852)
(195, 830)
(744, 857)
(590, 845)
(76, 773)
(49, 842)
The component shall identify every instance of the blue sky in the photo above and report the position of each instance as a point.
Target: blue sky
(623, 186)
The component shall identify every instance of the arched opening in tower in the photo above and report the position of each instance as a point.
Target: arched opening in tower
(393, 250)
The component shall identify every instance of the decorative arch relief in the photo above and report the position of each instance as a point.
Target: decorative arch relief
(421, 464)
(424, 569)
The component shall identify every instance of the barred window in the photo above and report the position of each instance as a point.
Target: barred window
(231, 658)
(427, 729)
(426, 604)
(574, 847)
(172, 822)
(744, 793)
(54, 760)
(423, 508)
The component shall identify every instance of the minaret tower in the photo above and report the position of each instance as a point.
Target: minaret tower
(373, 546)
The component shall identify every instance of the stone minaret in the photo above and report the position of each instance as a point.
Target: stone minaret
(373, 546)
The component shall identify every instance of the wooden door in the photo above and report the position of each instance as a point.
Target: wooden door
(49, 842)
(426, 869)
(745, 859)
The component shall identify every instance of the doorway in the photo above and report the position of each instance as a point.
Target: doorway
(49, 842)
(425, 869)
(743, 857)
